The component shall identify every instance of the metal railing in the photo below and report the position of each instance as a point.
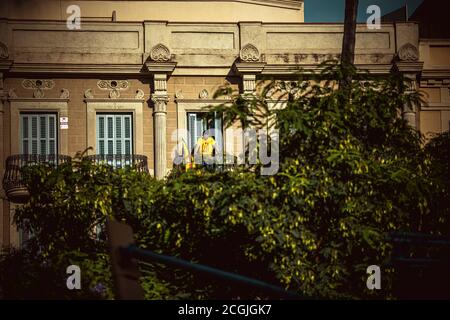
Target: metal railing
(124, 255)
(422, 262)
(136, 161)
(13, 182)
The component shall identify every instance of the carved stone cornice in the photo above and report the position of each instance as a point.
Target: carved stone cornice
(17, 99)
(160, 67)
(250, 67)
(113, 101)
(409, 67)
(5, 65)
(436, 75)
(67, 68)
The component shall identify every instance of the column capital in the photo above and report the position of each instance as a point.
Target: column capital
(160, 102)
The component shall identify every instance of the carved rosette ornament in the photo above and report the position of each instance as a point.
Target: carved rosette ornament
(408, 52)
(249, 53)
(38, 84)
(160, 53)
(113, 84)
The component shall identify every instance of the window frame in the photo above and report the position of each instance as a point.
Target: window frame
(38, 138)
(123, 139)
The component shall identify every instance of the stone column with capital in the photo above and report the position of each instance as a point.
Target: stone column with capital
(407, 62)
(409, 111)
(160, 64)
(2, 193)
(160, 99)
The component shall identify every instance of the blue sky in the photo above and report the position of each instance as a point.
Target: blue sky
(333, 10)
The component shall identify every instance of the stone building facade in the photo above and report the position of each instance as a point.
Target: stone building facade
(138, 70)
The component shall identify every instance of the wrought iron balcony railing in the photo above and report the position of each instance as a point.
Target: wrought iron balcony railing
(13, 183)
(137, 161)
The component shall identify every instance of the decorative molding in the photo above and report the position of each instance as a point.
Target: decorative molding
(409, 67)
(249, 53)
(114, 103)
(436, 74)
(202, 102)
(113, 84)
(33, 84)
(38, 93)
(435, 83)
(65, 94)
(139, 94)
(12, 93)
(88, 94)
(114, 94)
(204, 94)
(179, 94)
(408, 52)
(160, 67)
(160, 53)
(4, 54)
(251, 67)
(70, 68)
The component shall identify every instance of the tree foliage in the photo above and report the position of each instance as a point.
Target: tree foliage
(351, 171)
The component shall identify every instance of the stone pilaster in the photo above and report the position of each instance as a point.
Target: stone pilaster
(4, 219)
(160, 99)
(249, 71)
(160, 65)
(249, 84)
(410, 111)
(407, 62)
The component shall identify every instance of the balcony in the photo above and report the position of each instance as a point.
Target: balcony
(13, 184)
(137, 161)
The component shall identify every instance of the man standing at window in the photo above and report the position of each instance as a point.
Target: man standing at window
(205, 148)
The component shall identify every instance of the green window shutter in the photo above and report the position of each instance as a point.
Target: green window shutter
(38, 133)
(114, 134)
